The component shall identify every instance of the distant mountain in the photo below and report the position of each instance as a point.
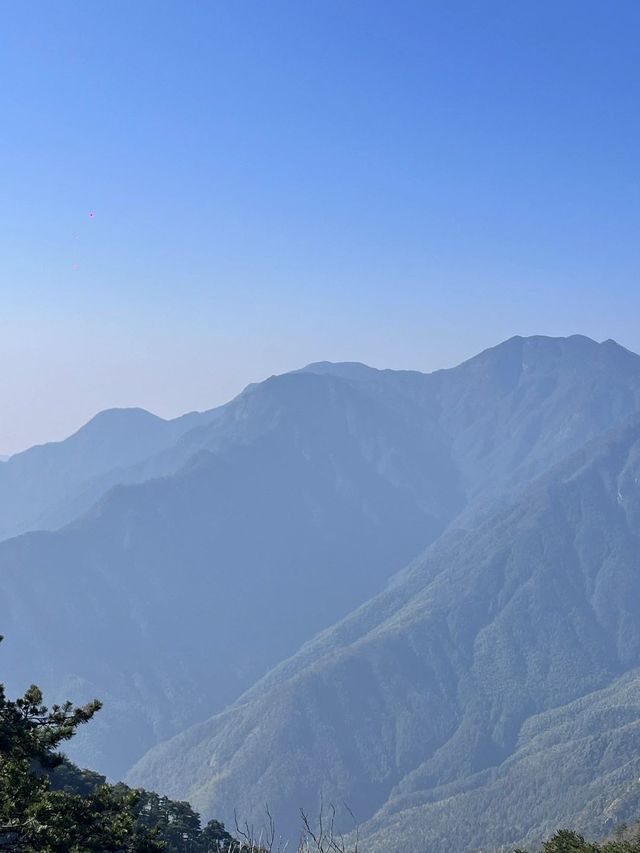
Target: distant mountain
(295, 506)
(210, 555)
(49, 485)
(480, 700)
(515, 409)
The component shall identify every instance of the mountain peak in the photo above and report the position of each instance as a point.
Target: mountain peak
(120, 417)
(343, 369)
(546, 349)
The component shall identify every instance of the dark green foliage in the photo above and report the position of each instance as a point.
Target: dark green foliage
(179, 827)
(567, 841)
(47, 804)
(35, 814)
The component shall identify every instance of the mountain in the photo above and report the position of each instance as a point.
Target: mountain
(515, 409)
(201, 561)
(576, 765)
(50, 484)
(507, 653)
(295, 506)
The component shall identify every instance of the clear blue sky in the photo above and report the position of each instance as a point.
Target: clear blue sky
(401, 183)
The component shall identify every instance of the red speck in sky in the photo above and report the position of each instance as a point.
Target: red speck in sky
(91, 214)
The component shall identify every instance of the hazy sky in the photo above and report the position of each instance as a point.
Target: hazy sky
(273, 183)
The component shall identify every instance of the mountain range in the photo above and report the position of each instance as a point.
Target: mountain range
(413, 593)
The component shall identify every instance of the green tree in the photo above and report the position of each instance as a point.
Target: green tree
(36, 815)
(566, 841)
(216, 838)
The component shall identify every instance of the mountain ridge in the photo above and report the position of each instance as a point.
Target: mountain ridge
(36, 484)
(312, 692)
(300, 501)
(279, 451)
(64, 493)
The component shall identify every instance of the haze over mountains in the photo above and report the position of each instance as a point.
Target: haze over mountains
(49, 485)
(388, 588)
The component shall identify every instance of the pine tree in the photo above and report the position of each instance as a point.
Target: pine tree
(36, 815)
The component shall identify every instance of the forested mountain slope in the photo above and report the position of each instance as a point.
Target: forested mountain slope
(264, 522)
(440, 678)
(577, 765)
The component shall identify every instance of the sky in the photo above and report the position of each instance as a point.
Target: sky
(195, 195)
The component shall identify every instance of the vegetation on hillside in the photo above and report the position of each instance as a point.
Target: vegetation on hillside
(625, 840)
(47, 804)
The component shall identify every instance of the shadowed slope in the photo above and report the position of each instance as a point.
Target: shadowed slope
(301, 501)
(49, 485)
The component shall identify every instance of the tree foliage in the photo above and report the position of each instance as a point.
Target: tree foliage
(49, 805)
(566, 841)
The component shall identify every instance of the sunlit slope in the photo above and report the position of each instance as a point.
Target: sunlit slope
(576, 765)
(437, 679)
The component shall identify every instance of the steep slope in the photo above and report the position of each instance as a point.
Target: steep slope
(49, 485)
(508, 414)
(171, 597)
(515, 409)
(578, 764)
(434, 680)
(274, 516)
